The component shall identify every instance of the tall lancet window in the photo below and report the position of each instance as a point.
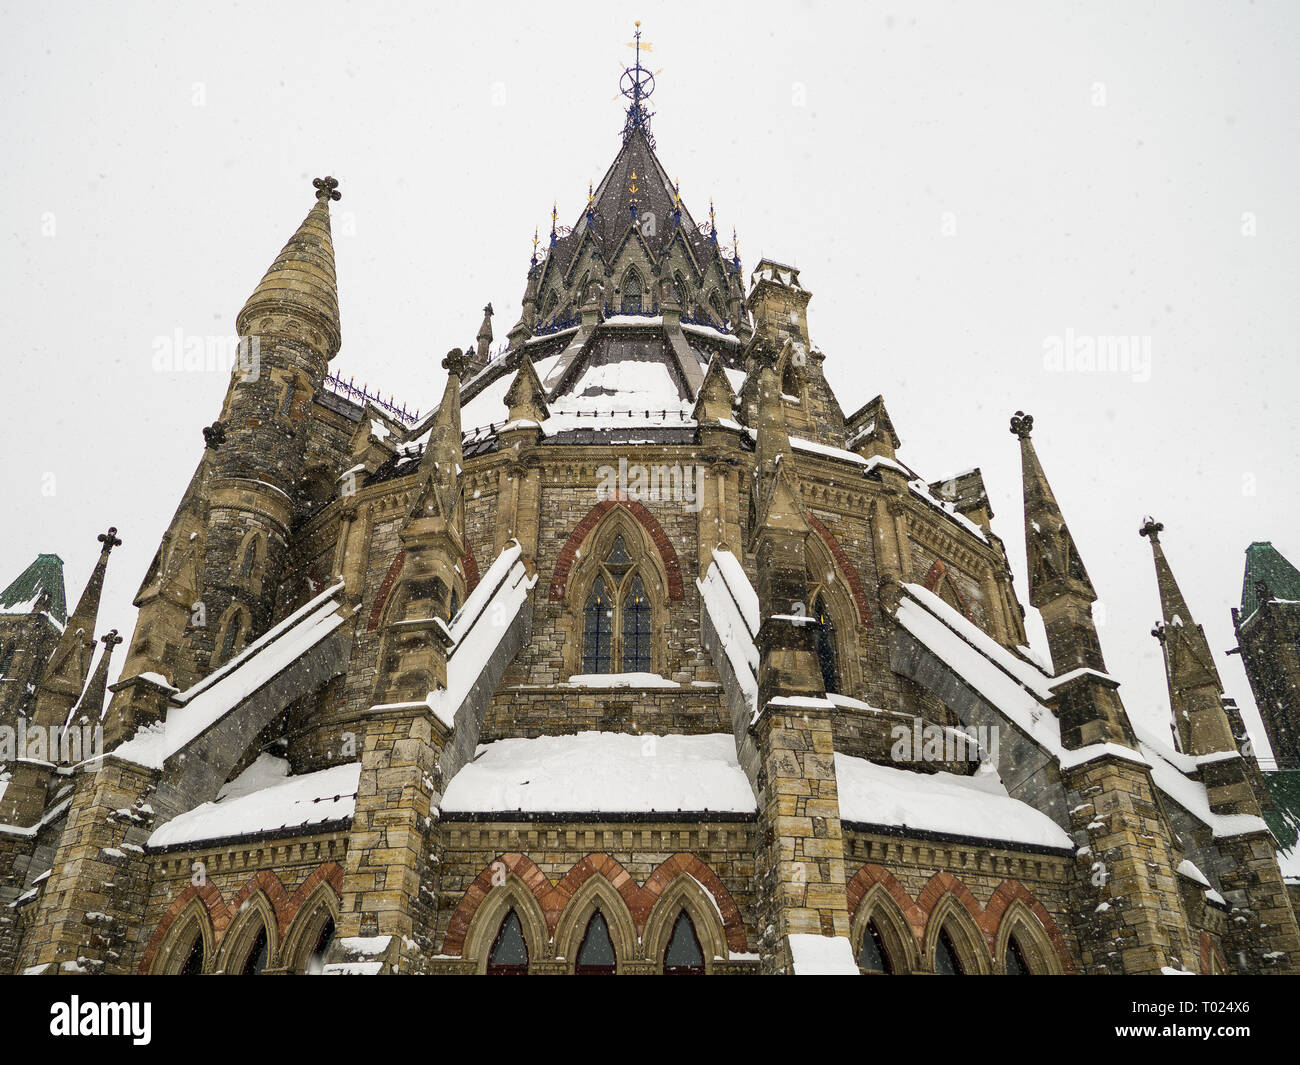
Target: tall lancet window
(631, 293)
(596, 955)
(683, 956)
(826, 654)
(597, 634)
(617, 623)
(636, 629)
(509, 955)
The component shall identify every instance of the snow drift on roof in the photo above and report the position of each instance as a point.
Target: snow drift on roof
(204, 704)
(603, 772)
(976, 807)
(329, 795)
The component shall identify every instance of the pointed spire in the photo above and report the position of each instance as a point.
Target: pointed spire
(442, 458)
(1054, 562)
(301, 281)
(65, 673)
(526, 398)
(1195, 690)
(776, 489)
(483, 342)
(1089, 707)
(91, 703)
(715, 401)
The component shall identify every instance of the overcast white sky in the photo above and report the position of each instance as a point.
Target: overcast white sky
(958, 182)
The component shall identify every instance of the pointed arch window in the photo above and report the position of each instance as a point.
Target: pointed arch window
(631, 293)
(249, 556)
(827, 656)
(193, 964)
(874, 955)
(679, 290)
(596, 955)
(683, 956)
(597, 625)
(790, 383)
(946, 962)
(509, 955)
(454, 608)
(715, 304)
(255, 960)
(1016, 964)
(316, 960)
(617, 618)
(232, 639)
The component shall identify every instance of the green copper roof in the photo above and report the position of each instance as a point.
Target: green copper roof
(43, 575)
(1265, 563)
(1284, 819)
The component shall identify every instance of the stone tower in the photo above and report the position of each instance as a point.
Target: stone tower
(1267, 625)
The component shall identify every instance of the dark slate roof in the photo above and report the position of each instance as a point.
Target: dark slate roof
(43, 575)
(613, 200)
(1265, 563)
(1284, 818)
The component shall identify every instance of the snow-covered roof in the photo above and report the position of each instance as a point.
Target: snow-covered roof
(204, 704)
(479, 626)
(732, 605)
(975, 807)
(603, 772)
(265, 799)
(1020, 690)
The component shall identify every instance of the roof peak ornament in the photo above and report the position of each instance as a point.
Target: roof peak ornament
(637, 84)
(1022, 424)
(327, 189)
(1151, 528)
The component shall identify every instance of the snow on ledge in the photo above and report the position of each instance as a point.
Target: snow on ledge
(618, 680)
(603, 772)
(814, 955)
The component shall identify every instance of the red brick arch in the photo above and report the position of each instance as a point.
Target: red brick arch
(868, 877)
(468, 566)
(845, 566)
(284, 906)
(987, 918)
(936, 576)
(564, 565)
(554, 898)
(1010, 891)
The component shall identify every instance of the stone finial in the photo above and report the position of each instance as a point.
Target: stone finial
(214, 435)
(1159, 631)
(1022, 424)
(455, 362)
(109, 539)
(110, 639)
(327, 189)
(487, 311)
(1151, 528)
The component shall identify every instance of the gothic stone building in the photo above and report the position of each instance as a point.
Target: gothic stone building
(636, 655)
